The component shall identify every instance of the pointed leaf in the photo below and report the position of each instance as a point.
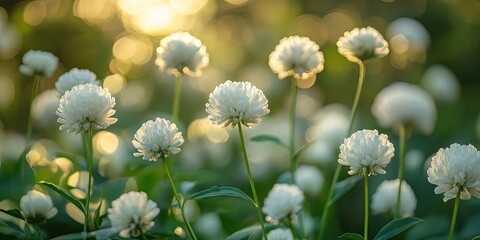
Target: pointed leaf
(343, 187)
(395, 227)
(225, 191)
(97, 219)
(353, 236)
(65, 194)
(269, 138)
(14, 213)
(250, 232)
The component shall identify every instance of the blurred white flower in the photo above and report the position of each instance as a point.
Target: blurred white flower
(233, 103)
(296, 56)
(361, 44)
(39, 63)
(157, 139)
(44, 106)
(75, 77)
(454, 169)
(182, 53)
(309, 179)
(280, 234)
(331, 125)
(209, 226)
(132, 214)
(384, 199)
(404, 104)
(86, 106)
(442, 83)
(37, 207)
(282, 202)
(366, 152)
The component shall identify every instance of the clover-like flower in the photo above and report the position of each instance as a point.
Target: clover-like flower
(366, 152)
(405, 104)
(282, 202)
(361, 44)
(456, 169)
(39, 63)
(442, 83)
(75, 77)
(297, 56)
(37, 207)
(157, 139)
(182, 53)
(44, 106)
(280, 234)
(384, 199)
(86, 106)
(233, 103)
(132, 214)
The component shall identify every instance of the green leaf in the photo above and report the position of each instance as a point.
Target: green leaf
(14, 213)
(269, 138)
(395, 227)
(225, 191)
(97, 219)
(343, 187)
(251, 232)
(476, 238)
(353, 236)
(65, 194)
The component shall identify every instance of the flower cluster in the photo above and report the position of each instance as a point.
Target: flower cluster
(361, 44)
(75, 77)
(283, 202)
(39, 63)
(37, 207)
(385, 198)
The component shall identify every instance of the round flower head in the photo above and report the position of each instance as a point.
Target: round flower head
(442, 83)
(456, 169)
(362, 44)
(280, 234)
(297, 56)
(44, 106)
(39, 63)
(366, 152)
(236, 102)
(282, 202)
(157, 139)
(309, 179)
(133, 213)
(403, 104)
(86, 106)
(182, 53)
(37, 207)
(75, 77)
(385, 198)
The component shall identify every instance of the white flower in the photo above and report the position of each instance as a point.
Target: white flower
(44, 106)
(37, 207)
(384, 199)
(133, 213)
(442, 83)
(280, 234)
(39, 63)
(309, 179)
(366, 152)
(362, 44)
(282, 202)
(182, 53)
(157, 139)
(75, 77)
(454, 169)
(86, 106)
(236, 102)
(297, 56)
(404, 104)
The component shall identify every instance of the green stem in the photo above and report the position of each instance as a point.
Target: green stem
(88, 145)
(37, 229)
(142, 235)
(454, 216)
(179, 201)
(176, 97)
(401, 167)
(361, 79)
(365, 220)
(252, 184)
(293, 103)
(36, 82)
(292, 228)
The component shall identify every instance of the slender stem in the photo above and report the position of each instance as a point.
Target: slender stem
(326, 208)
(365, 220)
(142, 235)
(176, 97)
(36, 82)
(88, 145)
(37, 229)
(292, 228)
(293, 103)
(179, 201)
(252, 184)
(401, 167)
(454, 216)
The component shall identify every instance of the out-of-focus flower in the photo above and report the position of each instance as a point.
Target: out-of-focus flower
(157, 139)
(296, 56)
(361, 44)
(86, 106)
(233, 103)
(75, 77)
(404, 104)
(384, 200)
(182, 53)
(39, 63)
(132, 214)
(442, 83)
(209, 226)
(280, 234)
(37, 207)
(44, 106)
(309, 179)
(366, 152)
(282, 202)
(456, 169)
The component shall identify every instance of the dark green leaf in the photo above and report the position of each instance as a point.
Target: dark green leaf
(251, 232)
(14, 213)
(225, 191)
(395, 227)
(269, 138)
(65, 194)
(353, 236)
(476, 238)
(97, 219)
(343, 187)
